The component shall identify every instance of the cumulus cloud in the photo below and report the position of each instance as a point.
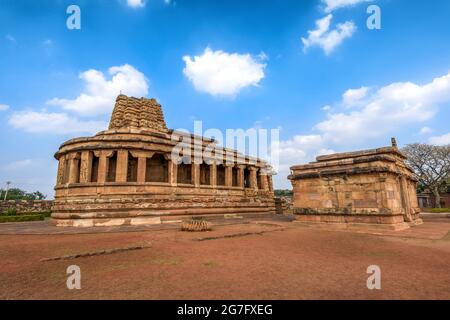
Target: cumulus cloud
(426, 130)
(136, 3)
(299, 149)
(393, 106)
(353, 97)
(4, 107)
(441, 140)
(328, 39)
(99, 93)
(385, 111)
(221, 73)
(331, 5)
(59, 123)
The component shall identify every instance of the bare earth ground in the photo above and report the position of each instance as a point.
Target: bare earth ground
(271, 259)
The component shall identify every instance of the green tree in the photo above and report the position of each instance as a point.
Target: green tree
(19, 194)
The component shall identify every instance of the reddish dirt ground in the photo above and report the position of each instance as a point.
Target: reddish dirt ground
(271, 260)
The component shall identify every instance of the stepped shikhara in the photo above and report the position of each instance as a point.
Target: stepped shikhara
(373, 187)
(126, 175)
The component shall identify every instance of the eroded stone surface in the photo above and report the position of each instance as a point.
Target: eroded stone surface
(364, 187)
(126, 175)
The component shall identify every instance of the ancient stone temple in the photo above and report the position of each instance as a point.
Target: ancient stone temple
(127, 174)
(373, 187)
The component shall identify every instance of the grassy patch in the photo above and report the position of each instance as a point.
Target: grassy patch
(22, 218)
(439, 210)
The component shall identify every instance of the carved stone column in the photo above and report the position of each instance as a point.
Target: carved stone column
(253, 178)
(86, 167)
(264, 182)
(103, 159)
(173, 173)
(61, 170)
(228, 176)
(196, 175)
(241, 176)
(122, 166)
(213, 174)
(270, 182)
(141, 170)
(74, 173)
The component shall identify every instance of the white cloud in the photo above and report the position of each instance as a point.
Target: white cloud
(136, 3)
(353, 97)
(99, 93)
(332, 5)
(328, 39)
(389, 108)
(385, 112)
(59, 123)
(441, 140)
(222, 73)
(299, 149)
(426, 130)
(4, 107)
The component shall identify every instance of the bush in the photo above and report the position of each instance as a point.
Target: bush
(10, 212)
(22, 218)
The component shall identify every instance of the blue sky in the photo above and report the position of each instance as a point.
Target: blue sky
(343, 87)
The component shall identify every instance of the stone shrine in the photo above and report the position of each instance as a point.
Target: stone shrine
(371, 187)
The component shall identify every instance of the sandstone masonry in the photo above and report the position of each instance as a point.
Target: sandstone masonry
(365, 187)
(126, 175)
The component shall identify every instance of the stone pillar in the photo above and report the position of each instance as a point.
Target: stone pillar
(196, 175)
(253, 178)
(61, 170)
(228, 176)
(264, 182)
(122, 166)
(406, 203)
(270, 183)
(241, 176)
(74, 172)
(213, 174)
(86, 167)
(103, 160)
(173, 173)
(141, 170)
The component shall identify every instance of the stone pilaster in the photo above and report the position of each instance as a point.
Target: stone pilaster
(86, 167)
(122, 166)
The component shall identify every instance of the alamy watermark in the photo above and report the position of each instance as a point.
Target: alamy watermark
(374, 280)
(74, 279)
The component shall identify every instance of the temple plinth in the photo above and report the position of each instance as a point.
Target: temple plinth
(127, 175)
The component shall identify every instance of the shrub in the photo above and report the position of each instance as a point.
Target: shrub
(10, 212)
(439, 210)
(22, 218)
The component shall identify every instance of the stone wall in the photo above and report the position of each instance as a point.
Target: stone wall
(26, 205)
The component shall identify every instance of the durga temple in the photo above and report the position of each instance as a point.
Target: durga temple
(126, 175)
